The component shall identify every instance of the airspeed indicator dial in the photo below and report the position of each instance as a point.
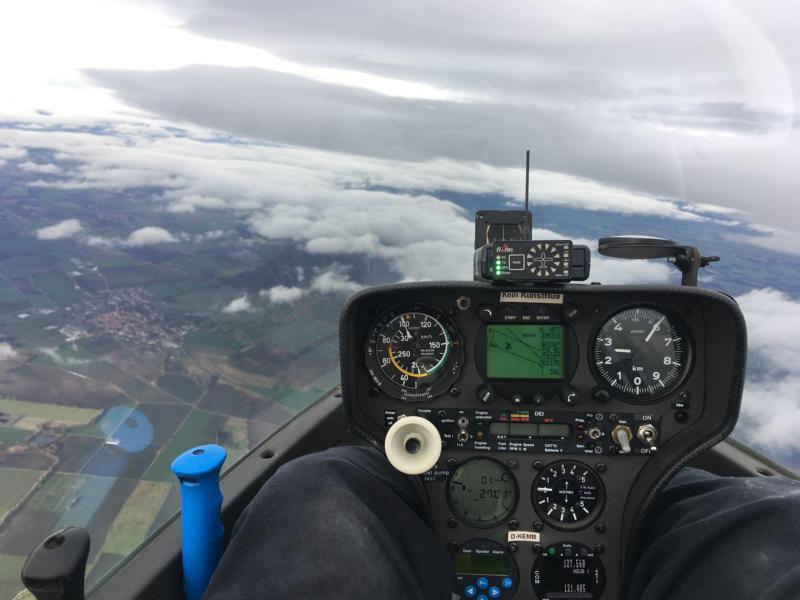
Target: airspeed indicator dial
(641, 352)
(414, 353)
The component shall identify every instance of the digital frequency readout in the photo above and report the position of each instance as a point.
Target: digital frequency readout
(523, 351)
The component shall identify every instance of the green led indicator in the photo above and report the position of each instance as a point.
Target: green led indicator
(551, 551)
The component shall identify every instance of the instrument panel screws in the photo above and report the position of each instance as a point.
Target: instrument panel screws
(513, 463)
(451, 462)
(463, 303)
(452, 523)
(513, 524)
(452, 546)
(598, 311)
(600, 467)
(538, 465)
(599, 548)
(513, 546)
(684, 395)
(453, 311)
(681, 416)
(455, 391)
(613, 417)
(538, 526)
(600, 527)
(537, 548)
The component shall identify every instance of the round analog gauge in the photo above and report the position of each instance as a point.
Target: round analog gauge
(567, 495)
(482, 492)
(641, 352)
(568, 570)
(414, 353)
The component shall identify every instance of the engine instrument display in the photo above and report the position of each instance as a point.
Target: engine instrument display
(414, 353)
(641, 352)
(482, 492)
(567, 494)
(525, 351)
(568, 570)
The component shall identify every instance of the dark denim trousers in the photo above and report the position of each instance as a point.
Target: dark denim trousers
(343, 524)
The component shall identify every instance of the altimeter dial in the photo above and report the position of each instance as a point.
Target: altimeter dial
(641, 352)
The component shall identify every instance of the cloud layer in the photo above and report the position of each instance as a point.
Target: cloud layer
(771, 410)
(63, 229)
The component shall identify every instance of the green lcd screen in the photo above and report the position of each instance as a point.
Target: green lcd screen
(481, 564)
(525, 351)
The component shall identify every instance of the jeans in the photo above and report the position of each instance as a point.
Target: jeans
(343, 524)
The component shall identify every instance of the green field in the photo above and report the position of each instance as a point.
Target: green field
(132, 523)
(16, 484)
(9, 435)
(52, 412)
(58, 286)
(212, 339)
(177, 288)
(10, 584)
(198, 428)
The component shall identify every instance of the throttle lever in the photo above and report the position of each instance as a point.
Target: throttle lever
(56, 567)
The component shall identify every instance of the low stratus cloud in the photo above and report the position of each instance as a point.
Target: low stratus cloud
(241, 304)
(12, 152)
(144, 236)
(149, 236)
(770, 415)
(64, 229)
(44, 169)
(334, 279)
(7, 352)
(58, 358)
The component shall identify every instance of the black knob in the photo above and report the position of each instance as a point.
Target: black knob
(55, 568)
(485, 312)
(571, 312)
(569, 395)
(486, 394)
(517, 399)
(539, 399)
(602, 396)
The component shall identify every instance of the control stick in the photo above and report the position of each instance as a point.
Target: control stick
(197, 470)
(55, 568)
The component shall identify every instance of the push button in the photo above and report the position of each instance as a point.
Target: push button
(507, 583)
(470, 591)
(494, 592)
(483, 597)
(483, 583)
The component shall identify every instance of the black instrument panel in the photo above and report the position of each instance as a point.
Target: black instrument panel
(562, 411)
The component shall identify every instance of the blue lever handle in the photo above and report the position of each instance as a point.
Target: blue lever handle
(197, 470)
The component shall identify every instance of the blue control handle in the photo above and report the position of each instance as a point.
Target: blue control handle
(197, 470)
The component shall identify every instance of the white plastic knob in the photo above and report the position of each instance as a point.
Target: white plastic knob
(413, 445)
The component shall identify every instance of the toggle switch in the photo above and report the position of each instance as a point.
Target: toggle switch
(622, 435)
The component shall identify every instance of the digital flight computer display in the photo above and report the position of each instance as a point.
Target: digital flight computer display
(525, 351)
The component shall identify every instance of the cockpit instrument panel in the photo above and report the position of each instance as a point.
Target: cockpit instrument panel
(560, 410)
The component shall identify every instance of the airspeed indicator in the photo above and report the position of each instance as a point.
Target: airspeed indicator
(414, 353)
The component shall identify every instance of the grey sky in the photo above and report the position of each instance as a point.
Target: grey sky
(687, 99)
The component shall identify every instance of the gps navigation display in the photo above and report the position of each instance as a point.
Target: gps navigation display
(525, 351)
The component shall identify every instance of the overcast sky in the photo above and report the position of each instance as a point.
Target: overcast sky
(688, 100)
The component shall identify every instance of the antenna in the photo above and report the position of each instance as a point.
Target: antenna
(527, 175)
